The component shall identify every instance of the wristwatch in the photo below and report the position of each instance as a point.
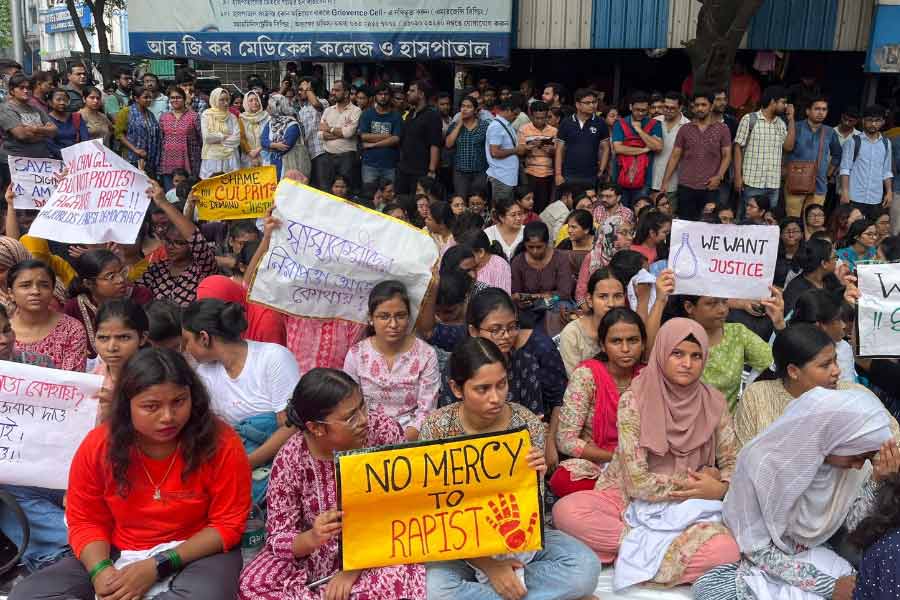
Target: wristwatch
(164, 566)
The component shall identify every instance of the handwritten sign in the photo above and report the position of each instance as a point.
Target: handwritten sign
(33, 180)
(244, 194)
(465, 497)
(329, 253)
(101, 199)
(879, 309)
(44, 416)
(725, 261)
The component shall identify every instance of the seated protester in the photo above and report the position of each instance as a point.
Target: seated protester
(859, 245)
(557, 213)
(101, 277)
(43, 507)
(165, 326)
(303, 526)
(251, 381)
(478, 206)
(795, 486)
(39, 329)
(823, 309)
(805, 358)
(725, 215)
(813, 220)
(395, 210)
(578, 340)
(189, 256)
(165, 483)
(537, 377)
(630, 268)
(881, 216)
(525, 199)
(263, 324)
(565, 568)
(889, 249)
(840, 220)
(71, 127)
(580, 242)
(541, 277)
(122, 330)
(461, 259)
(816, 260)
(438, 222)
(491, 267)
(395, 370)
(731, 345)
(442, 318)
(508, 232)
(587, 419)
(240, 233)
(877, 537)
(676, 444)
(608, 243)
(653, 227)
(755, 211)
(789, 245)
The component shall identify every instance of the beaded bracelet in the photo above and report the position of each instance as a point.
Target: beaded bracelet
(99, 567)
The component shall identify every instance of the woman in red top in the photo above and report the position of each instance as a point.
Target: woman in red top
(158, 498)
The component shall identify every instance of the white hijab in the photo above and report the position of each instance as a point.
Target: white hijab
(782, 492)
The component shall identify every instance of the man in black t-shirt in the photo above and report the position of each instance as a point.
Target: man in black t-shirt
(580, 155)
(420, 140)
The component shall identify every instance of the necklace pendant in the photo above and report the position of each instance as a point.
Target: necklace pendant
(157, 495)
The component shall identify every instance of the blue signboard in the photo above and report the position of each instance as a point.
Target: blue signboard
(884, 45)
(57, 20)
(358, 30)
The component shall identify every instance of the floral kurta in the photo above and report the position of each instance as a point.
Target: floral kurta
(576, 425)
(739, 346)
(629, 474)
(66, 345)
(575, 346)
(407, 391)
(301, 487)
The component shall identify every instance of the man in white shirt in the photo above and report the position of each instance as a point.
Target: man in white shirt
(554, 216)
(672, 119)
(338, 132)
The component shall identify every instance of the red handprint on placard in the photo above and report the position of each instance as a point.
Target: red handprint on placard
(506, 522)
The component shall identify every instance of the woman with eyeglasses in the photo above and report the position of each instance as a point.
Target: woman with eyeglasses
(250, 382)
(181, 140)
(395, 369)
(101, 277)
(303, 525)
(813, 220)
(189, 257)
(860, 243)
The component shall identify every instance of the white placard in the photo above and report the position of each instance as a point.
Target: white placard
(44, 416)
(724, 261)
(329, 253)
(101, 199)
(33, 180)
(879, 309)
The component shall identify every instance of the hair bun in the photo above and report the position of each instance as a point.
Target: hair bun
(233, 318)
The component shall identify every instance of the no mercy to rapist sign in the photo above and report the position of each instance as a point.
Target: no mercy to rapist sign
(464, 497)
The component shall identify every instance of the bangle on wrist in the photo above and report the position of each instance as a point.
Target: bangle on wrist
(100, 567)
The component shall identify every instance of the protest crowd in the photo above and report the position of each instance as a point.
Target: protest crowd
(727, 447)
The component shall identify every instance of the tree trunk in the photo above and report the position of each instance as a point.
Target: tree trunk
(721, 25)
(102, 39)
(79, 31)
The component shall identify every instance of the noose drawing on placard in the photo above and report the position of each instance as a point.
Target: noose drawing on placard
(684, 261)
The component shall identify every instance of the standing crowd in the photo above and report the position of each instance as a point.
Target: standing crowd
(744, 442)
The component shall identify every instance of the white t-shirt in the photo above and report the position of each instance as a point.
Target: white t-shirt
(493, 234)
(265, 384)
(662, 157)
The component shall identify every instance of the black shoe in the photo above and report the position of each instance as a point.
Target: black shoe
(9, 579)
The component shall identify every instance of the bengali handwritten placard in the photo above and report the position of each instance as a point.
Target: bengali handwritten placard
(101, 199)
(244, 194)
(724, 261)
(329, 253)
(879, 309)
(464, 497)
(44, 416)
(33, 180)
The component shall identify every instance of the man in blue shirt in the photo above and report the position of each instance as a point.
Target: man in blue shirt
(866, 169)
(635, 139)
(810, 134)
(379, 128)
(503, 152)
(582, 144)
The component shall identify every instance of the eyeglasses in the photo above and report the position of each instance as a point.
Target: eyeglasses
(870, 234)
(498, 330)
(171, 242)
(110, 277)
(387, 318)
(355, 417)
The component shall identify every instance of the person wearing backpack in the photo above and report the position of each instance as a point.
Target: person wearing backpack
(867, 166)
(761, 138)
(635, 138)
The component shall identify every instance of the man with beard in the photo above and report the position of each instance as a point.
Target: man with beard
(815, 142)
(866, 166)
(379, 129)
(338, 131)
(420, 141)
(120, 97)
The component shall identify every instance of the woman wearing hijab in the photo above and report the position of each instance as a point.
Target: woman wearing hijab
(795, 486)
(263, 324)
(675, 455)
(253, 121)
(221, 136)
(282, 137)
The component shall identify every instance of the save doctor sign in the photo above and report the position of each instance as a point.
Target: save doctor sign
(724, 261)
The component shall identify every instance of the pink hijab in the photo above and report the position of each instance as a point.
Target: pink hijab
(678, 423)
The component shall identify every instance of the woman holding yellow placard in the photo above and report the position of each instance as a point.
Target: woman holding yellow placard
(565, 568)
(303, 528)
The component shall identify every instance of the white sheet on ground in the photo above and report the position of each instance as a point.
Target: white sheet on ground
(768, 588)
(638, 592)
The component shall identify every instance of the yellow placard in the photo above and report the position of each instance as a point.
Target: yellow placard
(243, 194)
(465, 497)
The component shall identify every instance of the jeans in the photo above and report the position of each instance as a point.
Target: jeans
(749, 192)
(377, 175)
(465, 183)
(49, 539)
(629, 197)
(500, 190)
(565, 569)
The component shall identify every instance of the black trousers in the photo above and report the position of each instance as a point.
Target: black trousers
(691, 201)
